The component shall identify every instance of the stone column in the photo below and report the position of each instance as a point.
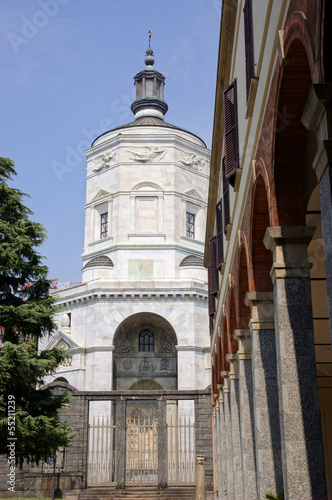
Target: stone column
(247, 423)
(216, 444)
(235, 421)
(265, 392)
(228, 438)
(301, 441)
(120, 466)
(222, 440)
(317, 116)
(162, 444)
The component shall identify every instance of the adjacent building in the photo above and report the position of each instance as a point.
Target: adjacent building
(269, 251)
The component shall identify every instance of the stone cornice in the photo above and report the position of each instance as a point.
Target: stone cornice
(132, 295)
(192, 348)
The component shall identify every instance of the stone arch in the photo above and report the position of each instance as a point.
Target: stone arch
(232, 342)
(132, 365)
(224, 344)
(290, 134)
(261, 257)
(243, 284)
(145, 385)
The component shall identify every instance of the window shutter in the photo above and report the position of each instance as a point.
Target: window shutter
(231, 133)
(212, 304)
(249, 44)
(225, 183)
(220, 237)
(212, 268)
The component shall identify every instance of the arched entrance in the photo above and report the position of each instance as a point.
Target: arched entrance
(145, 356)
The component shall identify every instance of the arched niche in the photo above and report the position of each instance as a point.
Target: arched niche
(139, 364)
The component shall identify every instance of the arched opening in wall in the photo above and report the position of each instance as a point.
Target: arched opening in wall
(232, 342)
(290, 138)
(261, 257)
(321, 323)
(243, 282)
(144, 353)
(298, 204)
(224, 346)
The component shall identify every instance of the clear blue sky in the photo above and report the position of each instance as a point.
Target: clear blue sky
(67, 70)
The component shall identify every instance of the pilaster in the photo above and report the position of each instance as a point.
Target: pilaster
(317, 116)
(162, 444)
(301, 445)
(265, 392)
(247, 423)
(120, 465)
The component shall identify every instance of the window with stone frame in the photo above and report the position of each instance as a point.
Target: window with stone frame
(190, 225)
(146, 341)
(104, 225)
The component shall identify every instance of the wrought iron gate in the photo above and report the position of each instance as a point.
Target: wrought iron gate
(181, 455)
(102, 452)
(142, 451)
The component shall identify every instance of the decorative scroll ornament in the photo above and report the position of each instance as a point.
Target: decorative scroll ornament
(148, 154)
(193, 161)
(126, 346)
(106, 160)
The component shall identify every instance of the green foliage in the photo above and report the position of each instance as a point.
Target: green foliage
(37, 426)
(26, 314)
(26, 308)
(273, 496)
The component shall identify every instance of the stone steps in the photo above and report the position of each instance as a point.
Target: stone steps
(140, 493)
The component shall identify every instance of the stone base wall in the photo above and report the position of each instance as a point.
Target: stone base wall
(31, 481)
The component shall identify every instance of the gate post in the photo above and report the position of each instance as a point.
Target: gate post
(200, 478)
(162, 444)
(120, 415)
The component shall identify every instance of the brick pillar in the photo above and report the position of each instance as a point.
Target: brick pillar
(247, 423)
(162, 444)
(120, 466)
(317, 116)
(235, 421)
(228, 438)
(265, 392)
(301, 441)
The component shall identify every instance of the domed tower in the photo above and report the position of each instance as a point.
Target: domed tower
(139, 318)
(138, 322)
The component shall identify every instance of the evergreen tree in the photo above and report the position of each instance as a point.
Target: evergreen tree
(26, 314)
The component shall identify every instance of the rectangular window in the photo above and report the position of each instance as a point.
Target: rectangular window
(190, 225)
(104, 225)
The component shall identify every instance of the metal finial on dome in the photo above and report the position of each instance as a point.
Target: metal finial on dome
(149, 58)
(149, 85)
